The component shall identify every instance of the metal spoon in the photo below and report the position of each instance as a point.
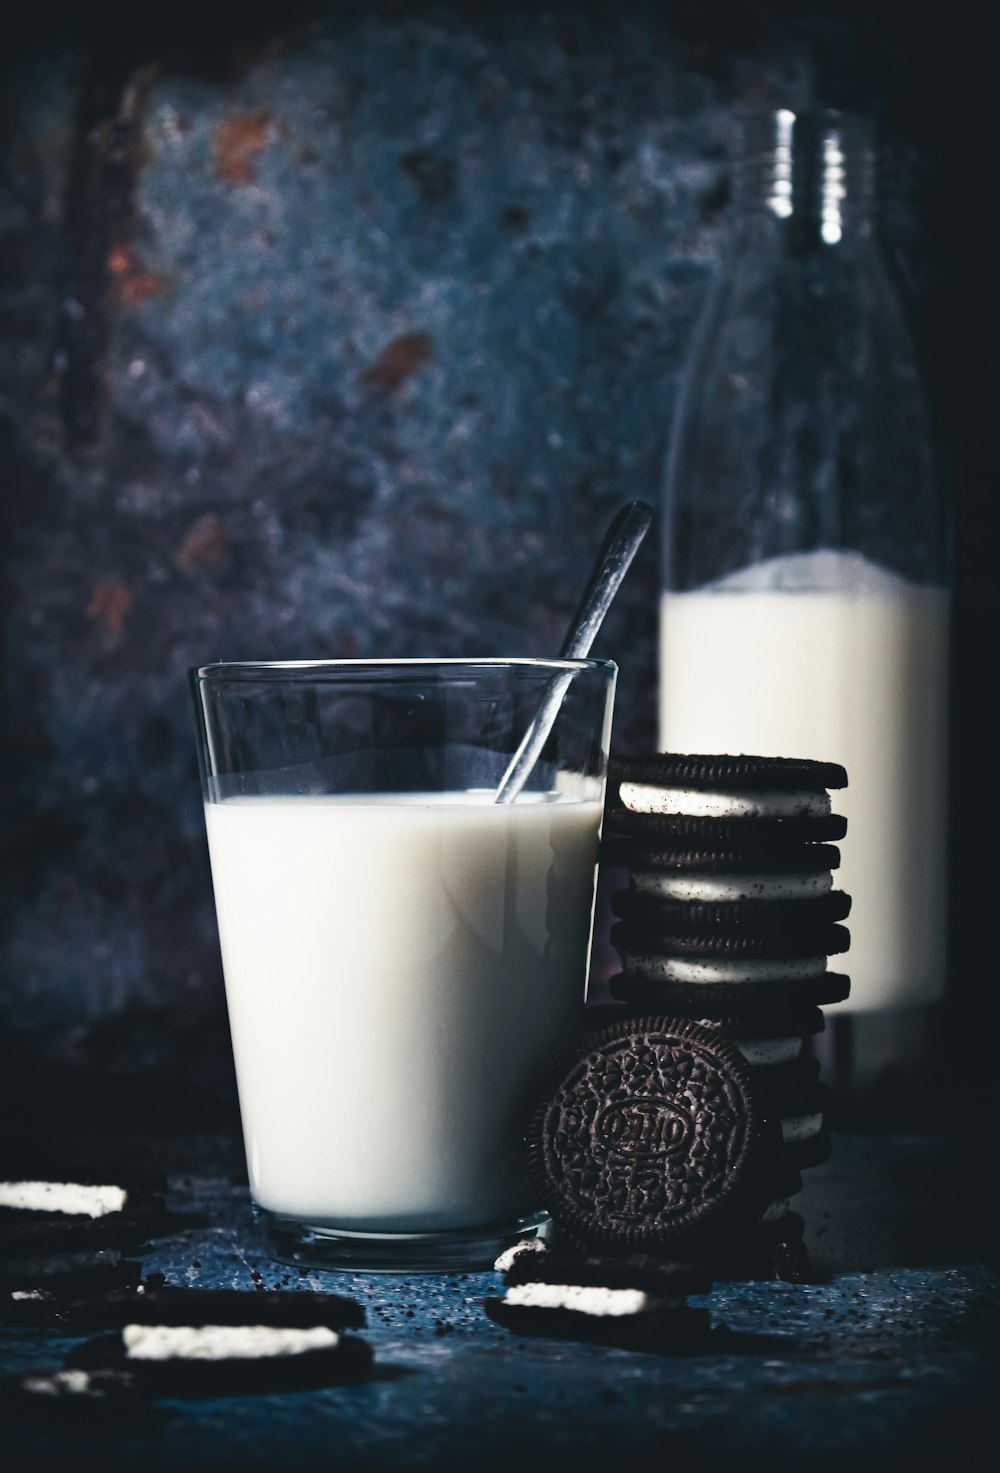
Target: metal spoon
(621, 543)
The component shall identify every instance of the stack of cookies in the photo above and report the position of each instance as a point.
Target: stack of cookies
(730, 918)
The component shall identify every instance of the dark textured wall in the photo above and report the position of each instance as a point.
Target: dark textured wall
(342, 331)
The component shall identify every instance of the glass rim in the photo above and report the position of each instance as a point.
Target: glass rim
(249, 669)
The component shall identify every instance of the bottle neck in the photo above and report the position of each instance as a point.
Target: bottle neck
(812, 173)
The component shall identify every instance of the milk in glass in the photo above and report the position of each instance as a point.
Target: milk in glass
(401, 972)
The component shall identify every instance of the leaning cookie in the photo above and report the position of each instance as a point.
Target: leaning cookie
(227, 1360)
(649, 1136)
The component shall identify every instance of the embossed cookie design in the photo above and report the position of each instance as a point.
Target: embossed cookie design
(649, 1135)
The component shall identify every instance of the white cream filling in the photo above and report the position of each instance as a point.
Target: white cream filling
(724, 888)
(73, 1198)
(74, 1382)
(526, 1245)
(722, 969)
(801, 1127)
(586, 1299)
(701, 803)
(776, 1210)
(222, 1342)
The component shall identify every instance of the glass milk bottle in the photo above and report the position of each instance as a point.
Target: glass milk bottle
(806, 552)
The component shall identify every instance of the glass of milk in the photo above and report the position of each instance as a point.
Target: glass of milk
(405, 958)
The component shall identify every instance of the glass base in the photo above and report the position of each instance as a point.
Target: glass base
(312, 1246)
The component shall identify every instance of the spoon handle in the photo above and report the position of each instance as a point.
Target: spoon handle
(621, 543)
(624, 535)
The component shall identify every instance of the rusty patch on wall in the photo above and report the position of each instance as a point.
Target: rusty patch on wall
(398, 360)
(204, 543)
(110, 605)
(235, 143)
(131, 283)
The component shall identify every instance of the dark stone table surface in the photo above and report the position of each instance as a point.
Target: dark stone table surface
(892, 1354)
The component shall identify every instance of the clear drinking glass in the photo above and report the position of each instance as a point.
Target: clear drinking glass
(404, 956)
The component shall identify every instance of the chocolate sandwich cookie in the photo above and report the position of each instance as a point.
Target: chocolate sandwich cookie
(38, 1247)
(623, 1319)
(32, 1159)
(770, 1041)
(783, 1182)
(779, 1083)
(680, 829)
(766, 1040)
(787, 1257)
(773, 1251)
(746, 872)
(802, 1117)
(97, 1210)
(715, 958)
(701, 1004)
(637, 1303)
(79, 1400)
(724, 799)
(656, 783)
(42, 1301)
(793, 1095)
(649, 1134)
(793, 965)
(171, 1305)
(754, 1022)
(731, 917)
(729, 999)
(668, 1282)
(813, 1150)
(792, 1090)
(227, 1360)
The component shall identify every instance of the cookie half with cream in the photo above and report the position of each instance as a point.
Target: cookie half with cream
(196, 1360)
(635, 1302)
